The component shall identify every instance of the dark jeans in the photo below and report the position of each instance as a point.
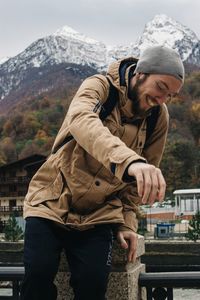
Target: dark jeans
(88, 254)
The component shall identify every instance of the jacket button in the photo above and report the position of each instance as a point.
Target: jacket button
(97, 182)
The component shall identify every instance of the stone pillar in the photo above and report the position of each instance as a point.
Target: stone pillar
(123, 280)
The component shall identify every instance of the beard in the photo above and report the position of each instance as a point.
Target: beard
(134, 95)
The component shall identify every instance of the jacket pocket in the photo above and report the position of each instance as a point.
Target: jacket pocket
(51, 191)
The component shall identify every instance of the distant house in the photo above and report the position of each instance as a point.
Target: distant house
(187, 202)
(159, 214)
(14, 181)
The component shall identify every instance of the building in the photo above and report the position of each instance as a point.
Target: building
(187, 202)
(154, 215)
(14, 181)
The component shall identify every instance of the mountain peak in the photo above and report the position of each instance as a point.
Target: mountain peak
(169, 24)
(162, 18)
(68, 32)
(166, 31)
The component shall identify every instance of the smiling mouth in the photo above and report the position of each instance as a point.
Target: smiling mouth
(151, 101)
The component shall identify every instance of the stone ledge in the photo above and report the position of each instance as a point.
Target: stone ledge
(121, 285)
(123, 279)
(119, 257)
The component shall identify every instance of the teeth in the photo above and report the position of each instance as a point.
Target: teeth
(150, 102)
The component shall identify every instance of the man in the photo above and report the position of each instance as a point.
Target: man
(99, 171)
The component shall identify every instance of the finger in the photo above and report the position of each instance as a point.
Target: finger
(140, 183)
(132, 248)
(122, 241)
(147, 186)
(154, 188)
(132, 254)
(161, 186)
(135, 252)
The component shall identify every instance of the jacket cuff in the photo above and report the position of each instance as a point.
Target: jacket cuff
(120, 169)
(126, 177)
(130, 221)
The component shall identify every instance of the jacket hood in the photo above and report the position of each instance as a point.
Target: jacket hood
(118, 73)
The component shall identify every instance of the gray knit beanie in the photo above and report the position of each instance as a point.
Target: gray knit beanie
(160, 60)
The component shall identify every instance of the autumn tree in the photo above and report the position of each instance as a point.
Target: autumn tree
(8, 149)
(181, 165)
(195, 121)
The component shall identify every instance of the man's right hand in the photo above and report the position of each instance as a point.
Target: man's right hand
(150, 181)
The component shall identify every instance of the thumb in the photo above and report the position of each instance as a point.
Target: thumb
(122, 241)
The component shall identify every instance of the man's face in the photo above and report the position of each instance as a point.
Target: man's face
(147, 91)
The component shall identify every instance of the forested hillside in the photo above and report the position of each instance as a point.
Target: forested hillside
(31, 126)
(181, 161)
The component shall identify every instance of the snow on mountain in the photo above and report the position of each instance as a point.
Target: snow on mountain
(163, 30)
(69, 46)
(119, 51)
(4, 59)
(166, 31)
(68, 32)
(64, 46)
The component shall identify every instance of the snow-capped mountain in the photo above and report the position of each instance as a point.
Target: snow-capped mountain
(64, 46)
(165, 31)
(67, 46)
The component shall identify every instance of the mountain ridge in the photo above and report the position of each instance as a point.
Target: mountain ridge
(67, 46)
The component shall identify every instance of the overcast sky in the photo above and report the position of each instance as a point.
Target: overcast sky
(110, 21)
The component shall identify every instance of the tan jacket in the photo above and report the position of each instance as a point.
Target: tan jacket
(76, 185)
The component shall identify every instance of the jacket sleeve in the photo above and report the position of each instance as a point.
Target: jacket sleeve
(131, 209)
(154, 148)
(85, 126)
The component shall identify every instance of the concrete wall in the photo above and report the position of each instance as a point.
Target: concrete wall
(171, 255)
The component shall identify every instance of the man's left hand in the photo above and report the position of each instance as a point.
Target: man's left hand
(128, 240)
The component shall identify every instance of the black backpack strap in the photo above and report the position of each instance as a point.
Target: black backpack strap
(65, 141)
(110, 103)
(113, 96)
(151, 122)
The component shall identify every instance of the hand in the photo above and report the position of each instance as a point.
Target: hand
(128, 239)
(150, 182)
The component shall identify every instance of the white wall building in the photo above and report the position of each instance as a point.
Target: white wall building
(187, 202)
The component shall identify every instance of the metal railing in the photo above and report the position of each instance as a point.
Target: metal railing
(17, 179)
(13, 194)
(15, 275)
(11, 208)
(159, 286)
